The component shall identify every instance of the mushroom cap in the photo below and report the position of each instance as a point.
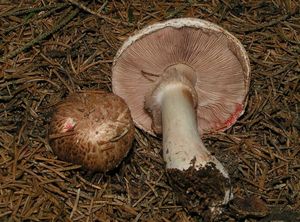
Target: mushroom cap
(93, 129)
(218, 58)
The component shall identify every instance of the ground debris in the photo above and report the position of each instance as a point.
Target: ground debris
(49, 49)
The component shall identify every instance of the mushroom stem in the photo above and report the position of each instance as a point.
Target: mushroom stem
(183, 148)
(182, 144)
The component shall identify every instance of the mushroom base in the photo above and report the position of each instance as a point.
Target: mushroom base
(201, 191)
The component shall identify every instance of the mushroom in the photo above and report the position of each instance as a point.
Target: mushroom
(184, 78)
(93, 129)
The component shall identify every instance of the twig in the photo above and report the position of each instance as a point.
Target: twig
(106, 18)
(31, 10)
(42, 36)
(46, 14)
(267, 24)
(76, 203)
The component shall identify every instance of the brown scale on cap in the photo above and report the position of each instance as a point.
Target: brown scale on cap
(93, 129)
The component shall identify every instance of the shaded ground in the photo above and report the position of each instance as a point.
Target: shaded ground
(49, 49)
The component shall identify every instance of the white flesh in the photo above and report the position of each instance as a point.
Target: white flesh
(182, 144)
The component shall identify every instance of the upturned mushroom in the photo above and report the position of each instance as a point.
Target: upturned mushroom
(183, 78)
(93, 129)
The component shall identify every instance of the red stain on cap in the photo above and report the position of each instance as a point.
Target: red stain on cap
(69, 125)
(232, 119)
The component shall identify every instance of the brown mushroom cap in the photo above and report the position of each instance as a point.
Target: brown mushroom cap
(219, 60)
(93, 129)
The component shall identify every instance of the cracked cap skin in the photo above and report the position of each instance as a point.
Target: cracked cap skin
(93, 129)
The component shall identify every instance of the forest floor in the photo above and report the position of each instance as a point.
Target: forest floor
(50, 48)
